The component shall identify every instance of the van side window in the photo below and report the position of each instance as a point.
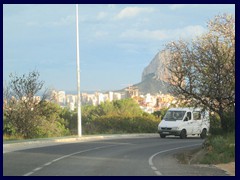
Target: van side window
(197, 115)
(189, 115)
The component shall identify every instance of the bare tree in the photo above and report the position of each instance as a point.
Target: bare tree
(203, 71)
(21, 107)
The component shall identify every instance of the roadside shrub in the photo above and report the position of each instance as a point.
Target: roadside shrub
(119, 124)
(215, 125)
(230, 119)
(220, 149)
(120, 116)
(161, 113)
(8, 128)
(50, 128)
(47, 123)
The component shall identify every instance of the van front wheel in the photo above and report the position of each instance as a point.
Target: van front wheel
(183, 134)
(162, 135)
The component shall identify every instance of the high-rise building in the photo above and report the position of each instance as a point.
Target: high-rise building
(110, 96)
(117, 96)
(62, 98)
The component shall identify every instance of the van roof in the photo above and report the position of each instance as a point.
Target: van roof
(185, 109)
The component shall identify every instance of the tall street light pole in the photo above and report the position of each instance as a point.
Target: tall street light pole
(78, 79)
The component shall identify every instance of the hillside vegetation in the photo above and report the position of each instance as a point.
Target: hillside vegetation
(121, 116)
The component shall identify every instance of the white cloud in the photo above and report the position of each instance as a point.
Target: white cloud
(186, 32)
(130, 12)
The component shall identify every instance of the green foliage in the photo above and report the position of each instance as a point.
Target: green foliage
(24, 115)
(125, 107)
(229, 118)
(215, 125)
(161, 113)
(70, 120)
(51, 129)
(52, 124)
(120, 124)
(47, 119)
(121, 116)
(20, 120)
(8, 128)
(215, 122)
(220, 149)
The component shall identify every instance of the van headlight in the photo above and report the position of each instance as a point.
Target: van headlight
(174, 128)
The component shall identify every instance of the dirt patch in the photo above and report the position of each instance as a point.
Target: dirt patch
(194, 156)
(229, 168)
(191, 156)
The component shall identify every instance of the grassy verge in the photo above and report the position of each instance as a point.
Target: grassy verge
(12, 138)
(217, 149)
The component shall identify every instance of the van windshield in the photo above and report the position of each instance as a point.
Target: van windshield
(174, 115)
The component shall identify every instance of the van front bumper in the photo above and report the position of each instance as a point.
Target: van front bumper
(170, 132)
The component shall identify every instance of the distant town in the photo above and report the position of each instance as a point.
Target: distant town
(148, 103)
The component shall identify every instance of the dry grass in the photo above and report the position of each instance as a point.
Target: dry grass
(195, 156)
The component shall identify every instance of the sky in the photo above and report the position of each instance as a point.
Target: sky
(116, 41)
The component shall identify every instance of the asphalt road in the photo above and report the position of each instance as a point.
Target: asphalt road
(133, 156)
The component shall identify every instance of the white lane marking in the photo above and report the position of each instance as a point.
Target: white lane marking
(150, 160)
(36, 169)
(154, 168)
(62, 157)
(158, 173)
(47, 164)
(28, 174)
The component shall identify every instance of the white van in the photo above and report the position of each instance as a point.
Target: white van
(183, 122)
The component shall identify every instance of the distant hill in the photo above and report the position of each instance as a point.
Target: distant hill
(151, 85)
(154, 76)
(157, 67)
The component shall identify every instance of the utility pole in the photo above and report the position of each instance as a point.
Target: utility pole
(78, 79)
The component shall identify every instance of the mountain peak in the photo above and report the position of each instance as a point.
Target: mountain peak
(155, 75)
(157, 67)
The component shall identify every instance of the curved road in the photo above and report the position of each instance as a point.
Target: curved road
(133, 156)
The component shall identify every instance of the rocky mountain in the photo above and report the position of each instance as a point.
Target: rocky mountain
(157, 67)
(151, 85)
(155, 75)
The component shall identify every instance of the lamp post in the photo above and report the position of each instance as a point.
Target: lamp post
(78, 79)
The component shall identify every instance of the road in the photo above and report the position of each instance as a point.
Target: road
(133, 156)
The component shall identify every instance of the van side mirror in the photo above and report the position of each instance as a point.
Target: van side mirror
(186, 119)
